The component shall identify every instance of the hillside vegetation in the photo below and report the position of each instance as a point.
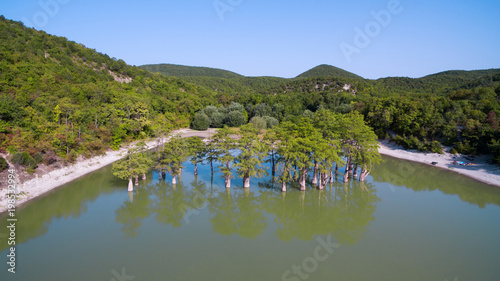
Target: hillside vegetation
(59, 99)
(325, 70)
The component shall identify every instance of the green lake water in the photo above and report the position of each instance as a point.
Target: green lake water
(407, 222)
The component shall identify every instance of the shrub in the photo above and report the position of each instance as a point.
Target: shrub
(258, 123)
(222, 110)
(3, 164)
(24, 159)
(234, 106)
(210, 110)
(201, 122)
(217, 120)
(465, 148)
(262, 110)
(49, 158)
(271, 122)
(71, 157)
(308, 114)
(436, 147)
(235, 119)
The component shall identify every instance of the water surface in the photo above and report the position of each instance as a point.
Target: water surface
(407, 222)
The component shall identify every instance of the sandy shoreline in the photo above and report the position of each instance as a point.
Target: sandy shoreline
(481, 170)
(36, 187)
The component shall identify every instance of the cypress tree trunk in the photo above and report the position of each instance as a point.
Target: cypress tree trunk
(246, 181)
(355, 172)
(315, 173)
(303, 179)
(227, 180)
(159, 174)
(130, 185)
(174, 181)
(364, 174)
(283, 186)
(347, 169)
(321, 181)
(164, 175)
(195, 169)
(136, 180)
(143, 176)
(273, 166)
(331, 176)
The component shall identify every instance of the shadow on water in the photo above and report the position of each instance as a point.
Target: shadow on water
(421, 177)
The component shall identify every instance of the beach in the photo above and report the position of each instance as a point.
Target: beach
(31, 189)
(481, 169)
(41, 185)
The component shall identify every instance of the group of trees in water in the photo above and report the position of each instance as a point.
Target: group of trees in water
(318, 144)
(344, 210)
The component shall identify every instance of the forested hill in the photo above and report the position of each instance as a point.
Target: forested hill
(59, 99)
(189, 71)
(325, 70)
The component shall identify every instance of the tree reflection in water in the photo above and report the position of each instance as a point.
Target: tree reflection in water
(341, 210)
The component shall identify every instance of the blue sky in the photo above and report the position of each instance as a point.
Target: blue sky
(279, 38)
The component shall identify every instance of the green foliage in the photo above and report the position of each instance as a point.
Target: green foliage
(465, 147)
(201, 122)
(258, 123)
(175, 152)
(57, 95)
(136, 162)
(235, 119)
(262, 110)
(252, 152)
(308, 114)
(271, 122)
(234, 106)
(217, 120)
(24, 159)
(182, 71)
(196, 149)
(327, 71)
(3, 164)
(223, 146)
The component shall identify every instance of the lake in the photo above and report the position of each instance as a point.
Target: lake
(407, 222)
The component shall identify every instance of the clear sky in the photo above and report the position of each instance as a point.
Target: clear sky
(376, 38)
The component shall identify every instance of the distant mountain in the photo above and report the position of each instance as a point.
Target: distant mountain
(189, 71)
(465, 74)
(325, 70)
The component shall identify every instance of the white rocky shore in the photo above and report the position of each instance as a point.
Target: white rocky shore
(481, 170)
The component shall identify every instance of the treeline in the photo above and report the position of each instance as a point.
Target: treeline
(318, 144)
(456, 110)
(59, 99)
(187, 71)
